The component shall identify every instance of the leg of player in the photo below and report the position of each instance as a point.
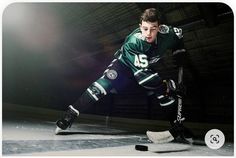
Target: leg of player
(166, 99)
(177, 128)
(114, 78)
(94, 92)
(168, 95)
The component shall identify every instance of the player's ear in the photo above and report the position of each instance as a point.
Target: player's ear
(140, 25)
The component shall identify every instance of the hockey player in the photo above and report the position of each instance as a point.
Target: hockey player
(134, 62)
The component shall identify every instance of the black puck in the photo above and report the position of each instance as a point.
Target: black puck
(141, 147)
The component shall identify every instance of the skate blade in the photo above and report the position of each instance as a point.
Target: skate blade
(58, 131)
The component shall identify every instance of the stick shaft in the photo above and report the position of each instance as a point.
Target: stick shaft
(180, 81)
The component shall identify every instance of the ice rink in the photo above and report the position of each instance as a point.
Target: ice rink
(36, 137)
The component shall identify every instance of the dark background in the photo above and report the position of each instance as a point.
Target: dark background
(53, 51)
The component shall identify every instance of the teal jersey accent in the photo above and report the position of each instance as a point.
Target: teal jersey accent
(138, 54)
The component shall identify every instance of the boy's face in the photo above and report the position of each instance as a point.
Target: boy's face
(149, 30)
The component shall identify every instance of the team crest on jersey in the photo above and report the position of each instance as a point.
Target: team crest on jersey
(164, 29)
(139, 36)
(178, 32)
(111, 74)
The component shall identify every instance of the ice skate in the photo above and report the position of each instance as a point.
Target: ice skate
(66, 121)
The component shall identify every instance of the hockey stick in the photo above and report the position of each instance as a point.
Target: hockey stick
(180, 81)
(166, 136)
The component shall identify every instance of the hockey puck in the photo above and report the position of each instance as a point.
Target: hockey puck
(141, 147)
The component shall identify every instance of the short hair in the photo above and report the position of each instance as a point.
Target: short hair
(150, 15)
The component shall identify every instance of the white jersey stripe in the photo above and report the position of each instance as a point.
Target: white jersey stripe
(94, 96)
(137, 72)
(100, 87)
(148, 78)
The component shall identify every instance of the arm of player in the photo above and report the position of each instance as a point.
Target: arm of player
(178, 49)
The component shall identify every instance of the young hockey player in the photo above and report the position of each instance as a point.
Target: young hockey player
(134, 62)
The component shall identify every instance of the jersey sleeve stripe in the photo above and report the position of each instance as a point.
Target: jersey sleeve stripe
(178, 51)
(148, 78)
(100, 87)
(91, 93)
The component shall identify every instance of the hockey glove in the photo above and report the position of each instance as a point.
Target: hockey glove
(174, 88)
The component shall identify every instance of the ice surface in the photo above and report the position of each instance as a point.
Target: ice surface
(35, 137)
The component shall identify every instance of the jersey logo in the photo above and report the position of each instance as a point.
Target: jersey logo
(112, 74)
(164, 29)
(178, 32)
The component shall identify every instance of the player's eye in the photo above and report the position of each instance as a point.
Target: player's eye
(145, 29)
(153, 29)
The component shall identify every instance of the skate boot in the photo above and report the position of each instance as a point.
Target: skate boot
(67, 120)
(165, 100)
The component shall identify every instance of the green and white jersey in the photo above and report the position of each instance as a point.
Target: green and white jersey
(139, 55)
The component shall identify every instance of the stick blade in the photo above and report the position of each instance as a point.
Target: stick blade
(159, 137)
